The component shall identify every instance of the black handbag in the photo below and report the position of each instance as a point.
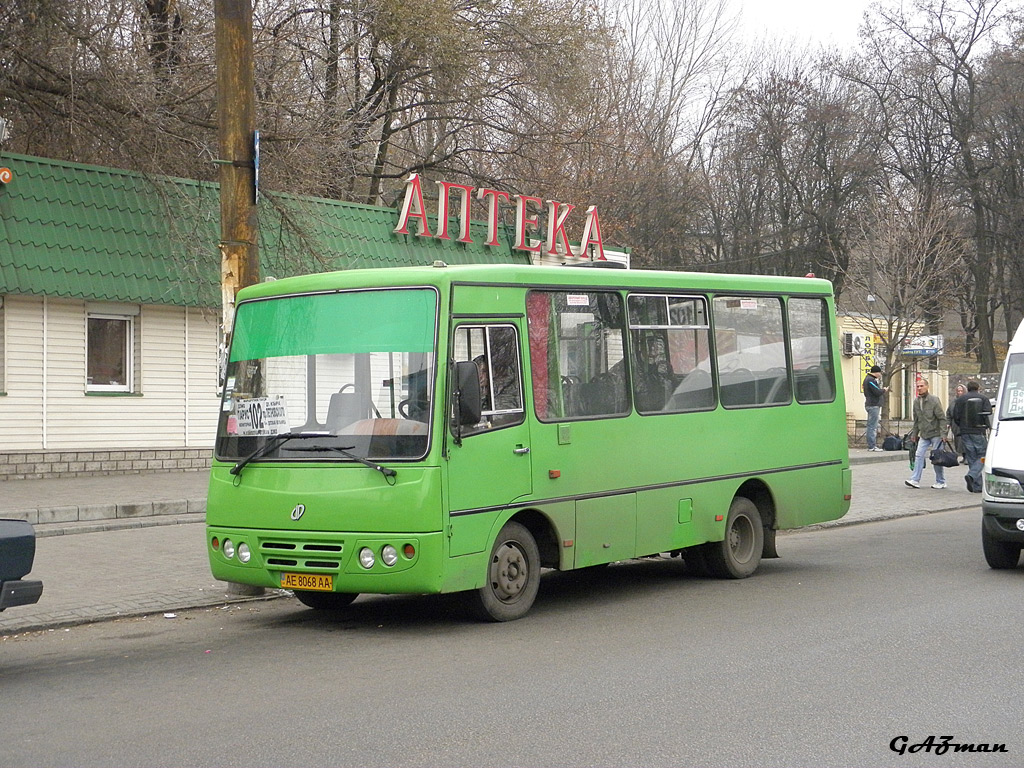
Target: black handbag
(944, 455)
(909, 443)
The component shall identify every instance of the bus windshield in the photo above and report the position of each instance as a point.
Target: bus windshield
(347, 375)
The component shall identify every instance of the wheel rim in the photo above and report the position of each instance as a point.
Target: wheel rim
(741, 539)
(510, 572)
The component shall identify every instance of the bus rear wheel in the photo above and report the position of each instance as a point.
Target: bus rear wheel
(325, 601)
(513, 577)
(739, 553)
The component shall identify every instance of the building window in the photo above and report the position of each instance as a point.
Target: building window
(110, 353)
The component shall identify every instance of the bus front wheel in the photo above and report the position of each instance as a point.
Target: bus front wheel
(999, 554)
(325, 601)
(739, 553)
(513, 577)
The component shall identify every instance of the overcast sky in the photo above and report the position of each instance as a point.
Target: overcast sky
(817, 21)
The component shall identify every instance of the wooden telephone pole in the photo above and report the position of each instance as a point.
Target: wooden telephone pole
(236, 110)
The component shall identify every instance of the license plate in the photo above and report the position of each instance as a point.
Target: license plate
(312, 581)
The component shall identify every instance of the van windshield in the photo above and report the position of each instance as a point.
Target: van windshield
(1011, 399)
(351, 371)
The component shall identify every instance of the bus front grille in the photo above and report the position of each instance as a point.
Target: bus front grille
(302, 554)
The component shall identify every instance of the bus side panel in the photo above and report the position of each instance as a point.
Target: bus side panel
(807, 496)
(665, 520)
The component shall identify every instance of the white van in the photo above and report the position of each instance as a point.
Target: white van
(1002, 506)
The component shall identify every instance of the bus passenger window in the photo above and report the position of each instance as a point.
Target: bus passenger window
(577, 355)
(750, 350)
(495, 351)
(810, 351)
(670, 353)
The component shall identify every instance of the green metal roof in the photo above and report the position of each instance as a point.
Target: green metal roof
(87, 232)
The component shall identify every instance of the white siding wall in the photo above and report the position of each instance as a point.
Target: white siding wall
(21, 410)
(176, 401)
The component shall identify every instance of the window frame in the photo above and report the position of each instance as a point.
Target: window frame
(620, 294)
(129, 353)
(468, 431)
(707, 327)
(782, 301)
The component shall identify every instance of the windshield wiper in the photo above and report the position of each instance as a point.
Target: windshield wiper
(271, 444)
(386, 471)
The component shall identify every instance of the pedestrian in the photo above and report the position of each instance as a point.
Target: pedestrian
(958, 446)
(929, 428)
(873, 393)
(971, 413)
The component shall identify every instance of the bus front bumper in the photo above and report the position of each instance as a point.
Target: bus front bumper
(327, 561)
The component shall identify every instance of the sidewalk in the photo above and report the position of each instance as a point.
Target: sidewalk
(127, 545)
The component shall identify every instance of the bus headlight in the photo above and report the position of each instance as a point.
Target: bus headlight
(366, 558)
(228, 548)
(389, 555)
(1000, 487)
(243, 553)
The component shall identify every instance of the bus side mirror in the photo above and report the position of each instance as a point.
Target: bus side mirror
(468, 400)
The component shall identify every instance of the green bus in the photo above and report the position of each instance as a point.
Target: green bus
(461, 428)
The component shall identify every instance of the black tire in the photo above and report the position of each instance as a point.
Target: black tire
(325, 601)
(513, 577)
(739, 553)
(999, 554)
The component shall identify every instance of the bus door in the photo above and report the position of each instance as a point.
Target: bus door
(489, 463)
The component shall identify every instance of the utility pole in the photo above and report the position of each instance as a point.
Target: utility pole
(236, 121)
(236, 110)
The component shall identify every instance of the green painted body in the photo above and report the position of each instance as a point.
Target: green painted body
(591, 490)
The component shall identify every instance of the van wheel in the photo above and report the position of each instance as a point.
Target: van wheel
(739, 553)
(998, 554)
(513, 577)
(325, 601)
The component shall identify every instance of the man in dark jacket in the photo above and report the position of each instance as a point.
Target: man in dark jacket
(929, 427)
(873, 393)
(970, 414)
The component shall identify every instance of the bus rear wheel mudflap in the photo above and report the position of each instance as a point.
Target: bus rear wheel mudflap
(325, 601)
(739, 553)
(513, 577)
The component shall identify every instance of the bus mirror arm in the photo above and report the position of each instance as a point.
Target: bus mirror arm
(468, 401)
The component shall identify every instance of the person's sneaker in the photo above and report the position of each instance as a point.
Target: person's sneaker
(911, 484)
(876, 448)
(938, 486)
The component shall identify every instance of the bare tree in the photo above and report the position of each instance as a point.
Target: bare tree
(907, 246)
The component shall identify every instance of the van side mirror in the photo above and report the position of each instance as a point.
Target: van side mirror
(468, 399)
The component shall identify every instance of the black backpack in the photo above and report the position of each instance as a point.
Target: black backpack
(978, 412)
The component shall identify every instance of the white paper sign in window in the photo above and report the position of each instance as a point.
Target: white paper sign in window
(261, 416)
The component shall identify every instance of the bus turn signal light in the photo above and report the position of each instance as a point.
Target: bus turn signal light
(554, 474)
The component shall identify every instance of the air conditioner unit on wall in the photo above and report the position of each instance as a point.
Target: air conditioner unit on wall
(853, 344)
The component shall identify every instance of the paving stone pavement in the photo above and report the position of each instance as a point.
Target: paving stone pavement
(114, 567)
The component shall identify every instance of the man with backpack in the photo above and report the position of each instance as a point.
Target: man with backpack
(971, 414)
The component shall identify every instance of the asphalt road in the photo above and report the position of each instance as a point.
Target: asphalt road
(858, 636)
